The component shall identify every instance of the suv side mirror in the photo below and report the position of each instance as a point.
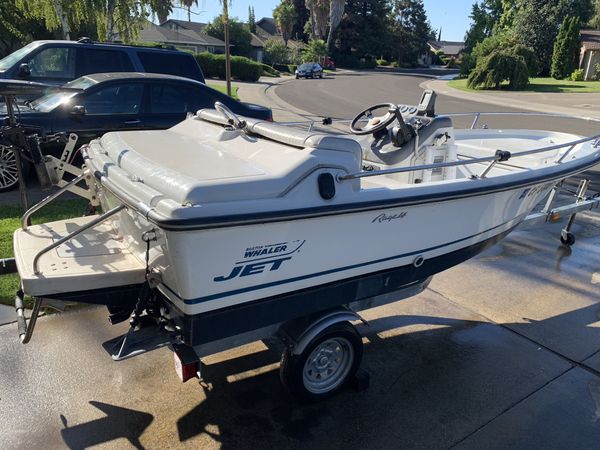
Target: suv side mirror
(78, 110)
(24, 71)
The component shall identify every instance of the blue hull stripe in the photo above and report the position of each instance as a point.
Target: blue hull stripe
(330, 271)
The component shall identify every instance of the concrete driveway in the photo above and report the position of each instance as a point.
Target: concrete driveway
(502, 351)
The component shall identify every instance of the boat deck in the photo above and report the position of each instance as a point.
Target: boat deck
(95, 259)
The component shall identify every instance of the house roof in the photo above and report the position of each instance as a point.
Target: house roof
(267, 24)
(186, 30)
(257, 41)
(448, 47)
(590, 39)
(198, 27)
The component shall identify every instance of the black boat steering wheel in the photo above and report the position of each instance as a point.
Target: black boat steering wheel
(375, 123)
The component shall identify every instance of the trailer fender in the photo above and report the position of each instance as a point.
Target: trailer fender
(317, 326)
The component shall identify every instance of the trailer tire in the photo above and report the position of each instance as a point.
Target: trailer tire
(326, 364)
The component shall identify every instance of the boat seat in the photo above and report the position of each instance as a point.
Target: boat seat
(287, 134)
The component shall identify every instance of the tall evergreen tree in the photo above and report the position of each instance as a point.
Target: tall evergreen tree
(411, 31)
(251, 20)
(484, 18)
(365, 29)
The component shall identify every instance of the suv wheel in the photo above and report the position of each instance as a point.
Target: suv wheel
(9, 175)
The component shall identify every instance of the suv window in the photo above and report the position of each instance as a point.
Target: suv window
(114, 99)
(91, 60)
(53, 62)
(182, 65)
(173, 98)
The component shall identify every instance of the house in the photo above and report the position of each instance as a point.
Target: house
(450, 49)
(266, 29)
(182, 38)
(589, 54)
(257, 52)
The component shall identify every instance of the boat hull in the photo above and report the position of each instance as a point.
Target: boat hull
(213, 269)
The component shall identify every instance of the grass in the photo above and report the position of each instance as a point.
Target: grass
(222, 88)
(539, 85)
(10, 220)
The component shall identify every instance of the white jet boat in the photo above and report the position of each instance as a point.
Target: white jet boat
(223, 229)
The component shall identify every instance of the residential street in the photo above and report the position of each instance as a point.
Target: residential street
(502, 351)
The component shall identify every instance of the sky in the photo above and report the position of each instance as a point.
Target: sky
(450, 15)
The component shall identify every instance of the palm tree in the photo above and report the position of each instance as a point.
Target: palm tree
(187, 4)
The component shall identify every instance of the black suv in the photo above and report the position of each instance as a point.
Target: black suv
(58, 62)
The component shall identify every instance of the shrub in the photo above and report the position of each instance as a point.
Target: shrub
(270, 71)
(292, 67)
(382, 62)
(352, 62)
(577, 75)
(276, 52)
(315, 50)
(242, 68)
(498, 67)
(394, 63)
(505, 42)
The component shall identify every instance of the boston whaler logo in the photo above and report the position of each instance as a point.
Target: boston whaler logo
(383, 217)
(262, 258)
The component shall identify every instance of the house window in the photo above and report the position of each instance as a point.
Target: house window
(211, 49)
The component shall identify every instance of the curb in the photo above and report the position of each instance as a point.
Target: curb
(441, 87)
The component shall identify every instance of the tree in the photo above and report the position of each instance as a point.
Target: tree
(302, 15)
(17, 29)
(565, 58)
(251, 20)
(336, 11)
(315, 50)
(411, 31)
(276, 52)
(56, 14)
(187, 5)
(285, 17)
(484, 17)
(498, 67)
(239, 34)
(319, 16)
(365, 29)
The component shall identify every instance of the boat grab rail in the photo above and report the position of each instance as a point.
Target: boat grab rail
(71, 235)
(48, 199)
(499, 156)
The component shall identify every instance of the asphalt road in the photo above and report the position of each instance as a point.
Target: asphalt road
(344, 94)
(502, 351)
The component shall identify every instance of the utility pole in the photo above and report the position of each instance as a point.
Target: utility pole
(227, 54)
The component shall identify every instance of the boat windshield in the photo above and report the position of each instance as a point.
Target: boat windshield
(10, 60)
(48, 102)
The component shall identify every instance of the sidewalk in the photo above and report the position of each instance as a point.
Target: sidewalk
(576, 104)
(262, 93)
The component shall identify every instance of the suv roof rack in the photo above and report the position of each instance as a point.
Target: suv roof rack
(87, 40)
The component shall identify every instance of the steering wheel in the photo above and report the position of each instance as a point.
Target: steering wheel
(375, 123)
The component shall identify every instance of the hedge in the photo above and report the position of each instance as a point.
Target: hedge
(243, 69)
(270, 71)
(353, 62)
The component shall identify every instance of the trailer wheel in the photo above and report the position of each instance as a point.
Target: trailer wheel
(326, 364)
(568, 239)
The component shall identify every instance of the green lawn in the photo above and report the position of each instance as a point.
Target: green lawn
(222, 88)
(540, 85)
(10, 216)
